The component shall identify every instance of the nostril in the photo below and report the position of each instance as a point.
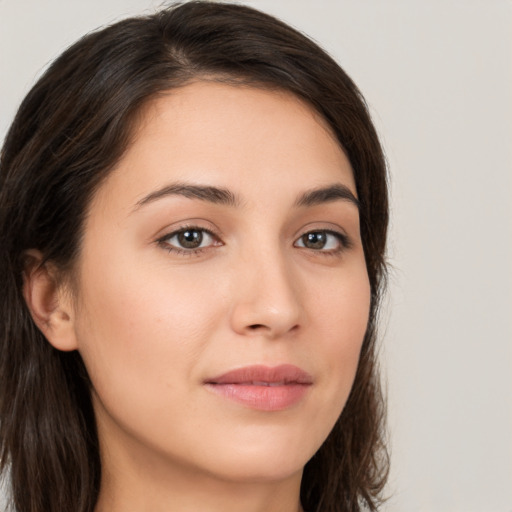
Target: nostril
(255, 327)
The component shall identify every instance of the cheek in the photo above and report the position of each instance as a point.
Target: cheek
(341, 311)
(146, 331)
(141, 328)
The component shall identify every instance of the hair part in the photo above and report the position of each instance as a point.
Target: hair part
(69, 133)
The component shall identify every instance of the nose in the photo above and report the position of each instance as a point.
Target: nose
(267, 299)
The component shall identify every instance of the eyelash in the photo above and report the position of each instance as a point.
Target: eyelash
(344, 242)
(164, 241)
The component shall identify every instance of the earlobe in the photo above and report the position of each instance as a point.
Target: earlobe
(48, 302)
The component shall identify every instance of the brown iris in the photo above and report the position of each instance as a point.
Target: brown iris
(190, 238)
(314, 240)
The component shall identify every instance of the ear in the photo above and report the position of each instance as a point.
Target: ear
(49, 303)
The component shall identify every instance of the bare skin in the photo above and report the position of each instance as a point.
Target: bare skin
(277, 277)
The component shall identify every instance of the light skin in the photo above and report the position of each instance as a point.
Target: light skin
(278, 276)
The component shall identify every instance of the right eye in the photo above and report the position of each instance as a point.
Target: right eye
(189, 240)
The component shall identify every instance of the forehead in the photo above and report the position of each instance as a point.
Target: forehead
(231, 136)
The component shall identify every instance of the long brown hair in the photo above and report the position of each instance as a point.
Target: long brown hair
(70, 130)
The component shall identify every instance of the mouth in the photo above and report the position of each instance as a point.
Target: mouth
(261, 387)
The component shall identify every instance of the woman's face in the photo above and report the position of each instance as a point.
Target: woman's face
(222, 289)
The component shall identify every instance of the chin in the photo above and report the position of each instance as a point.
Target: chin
(261, 469)
(264, 457)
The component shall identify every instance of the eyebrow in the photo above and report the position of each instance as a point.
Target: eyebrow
(216, 195)
(327, 194)
(224, 196)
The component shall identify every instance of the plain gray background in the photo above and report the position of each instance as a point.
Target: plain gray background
(438, 77)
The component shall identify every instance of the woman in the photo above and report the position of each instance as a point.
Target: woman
(193, 217)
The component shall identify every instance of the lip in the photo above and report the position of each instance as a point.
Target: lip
(263, 388)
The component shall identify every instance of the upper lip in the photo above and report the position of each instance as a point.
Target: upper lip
(264, 375)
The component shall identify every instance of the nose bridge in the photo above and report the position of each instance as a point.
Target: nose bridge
(267, 299)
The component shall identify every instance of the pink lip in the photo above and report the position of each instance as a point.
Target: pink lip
(262, 387)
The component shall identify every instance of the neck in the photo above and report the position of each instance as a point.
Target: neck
(133, 481)
(190, 493)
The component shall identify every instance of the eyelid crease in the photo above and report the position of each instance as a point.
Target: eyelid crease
(325, 226)
(198, 223)
(163, 241)
(344, 240)
(184, 228)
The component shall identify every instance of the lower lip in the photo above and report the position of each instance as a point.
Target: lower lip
(262, 398)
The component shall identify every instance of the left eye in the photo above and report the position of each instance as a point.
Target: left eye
(190, 238)
(321, 241)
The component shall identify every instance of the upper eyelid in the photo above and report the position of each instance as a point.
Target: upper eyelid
(214, 230)
(179, 227)
(326, 227)
(343, 238)
(165, 238)
(163, 241)
(329, 226)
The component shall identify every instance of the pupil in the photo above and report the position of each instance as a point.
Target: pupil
(190, 239)
(314, 240)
